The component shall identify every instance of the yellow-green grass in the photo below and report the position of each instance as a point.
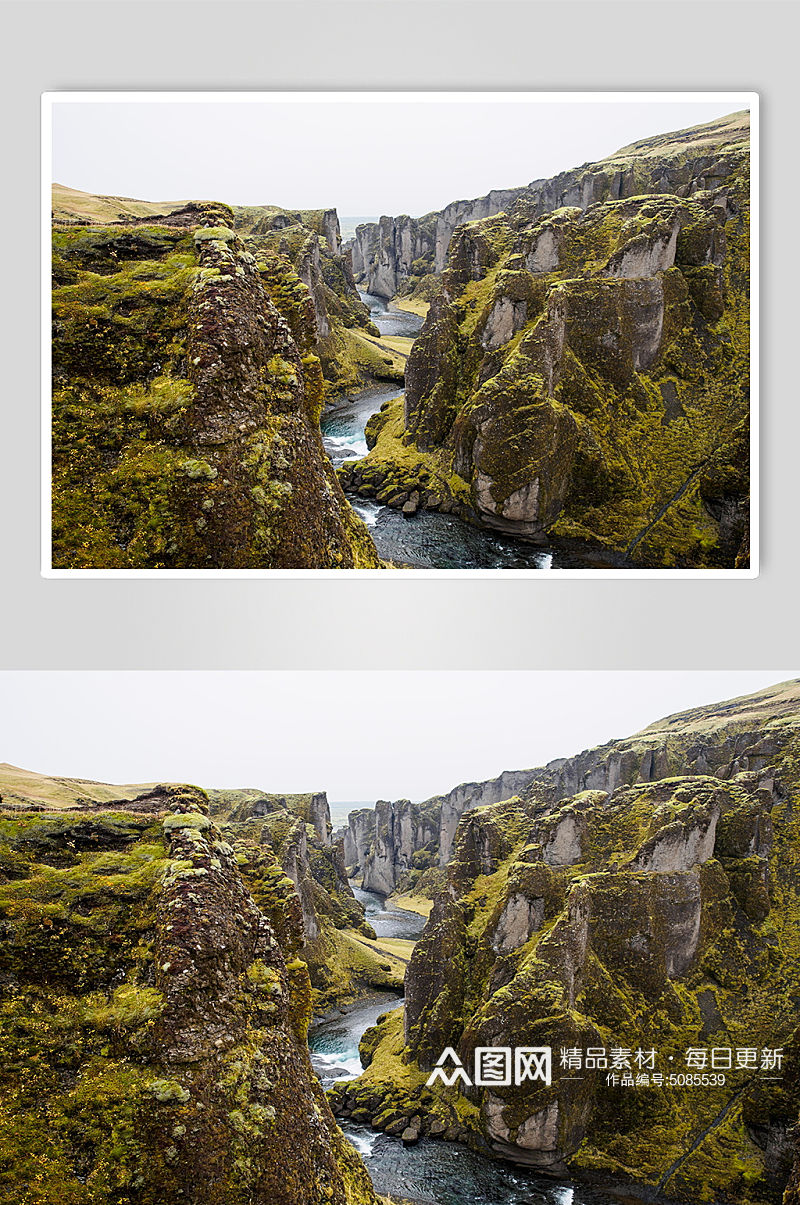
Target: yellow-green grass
(413, 305)
(396, 950)
(24, 787)
(360, 958)
(402, 344)
(70, 204)
(378, 352)
(413, 903)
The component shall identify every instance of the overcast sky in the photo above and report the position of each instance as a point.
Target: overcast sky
(362, 157)
(359, 735)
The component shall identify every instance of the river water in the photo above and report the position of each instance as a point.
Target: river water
(386, 920)
(432, 1172)
(427, 540)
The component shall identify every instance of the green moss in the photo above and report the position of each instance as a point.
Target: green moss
(168, 1091)
(220, 234)
(392, 1086)
(595, 969)
(98, 1102)
(198, 470)
(394, 467)
(621, 403)
(139, 377)
(187, 820)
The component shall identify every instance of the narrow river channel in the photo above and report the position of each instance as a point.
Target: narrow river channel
(432, 1172)
(427, 540)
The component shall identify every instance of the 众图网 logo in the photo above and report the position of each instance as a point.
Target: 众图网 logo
(495, 1066)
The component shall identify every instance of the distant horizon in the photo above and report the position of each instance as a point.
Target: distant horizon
(294, 732)
(405, 158)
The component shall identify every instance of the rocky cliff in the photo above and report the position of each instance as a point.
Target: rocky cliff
(285, 843)
(153, 1018)
(399, 254)
(357, 838)
(309, 242)
(582, 374)
(393, 845)
(187, 393)
(656, 910)
(403, 254)
(308, 247)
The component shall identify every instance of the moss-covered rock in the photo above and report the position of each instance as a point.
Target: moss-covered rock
(316, 278)
(583, 372)
(297, 874)
(152, 1027)
(186, 406)
(630, 915)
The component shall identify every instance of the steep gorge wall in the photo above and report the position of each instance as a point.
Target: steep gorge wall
(582, 374)
(164, 1015)
(381, 845)
(395, 843)
(309, 242)
(295, 833)
(658, 915)
(186, 405)
(394, 254)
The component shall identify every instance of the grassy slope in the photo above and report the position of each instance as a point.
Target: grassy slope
(413, 903)
(18, 786)
(413, 305)
(71, 203)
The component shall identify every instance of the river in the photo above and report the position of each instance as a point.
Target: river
(429, 540)
(432, 1172)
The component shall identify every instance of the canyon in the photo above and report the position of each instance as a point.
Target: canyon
(582, 374)
(643, 895)
(578, 391)
(165, 950)
(188, 382)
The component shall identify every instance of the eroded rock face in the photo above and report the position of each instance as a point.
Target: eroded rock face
(682, 163)
(385, 254)
(683, 843)
(306, 244)
(519, 918)
(358, 839)
(640, 915)
(564, 844)
(295, 832)
(475, 795)
(397, 842)
(578, 344)
(181, 1072)
(740, 743)
(402, 829)
(205, 449)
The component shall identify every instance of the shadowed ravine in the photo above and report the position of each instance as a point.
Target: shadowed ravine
(428, 540)
(431, 1172)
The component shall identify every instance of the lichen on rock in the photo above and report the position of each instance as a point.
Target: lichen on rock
(186, 406)
(653, 906)
(152, 1028)
(582, 374)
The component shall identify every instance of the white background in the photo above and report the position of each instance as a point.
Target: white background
(345, 623)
